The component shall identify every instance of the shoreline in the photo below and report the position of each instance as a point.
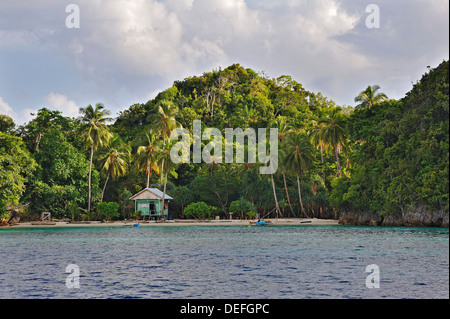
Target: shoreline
(183, 222)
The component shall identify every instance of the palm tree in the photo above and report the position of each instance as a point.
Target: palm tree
(114, 159)
(164, 121)
(277, 206)
(284, 129)
(317, 137)
(284, 170)
(167, 166)
(147, 155)
(333, 133)
(95, 131)
(369, 97)
(298, 159)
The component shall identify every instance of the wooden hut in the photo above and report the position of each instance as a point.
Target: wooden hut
(149, 202)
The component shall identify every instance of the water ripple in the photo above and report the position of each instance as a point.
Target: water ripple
(225, 262)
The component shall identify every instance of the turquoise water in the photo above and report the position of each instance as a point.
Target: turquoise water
(225, 262)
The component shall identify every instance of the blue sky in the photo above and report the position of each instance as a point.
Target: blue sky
(126, 51)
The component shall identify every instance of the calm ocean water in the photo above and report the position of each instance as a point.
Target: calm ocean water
(225, 262)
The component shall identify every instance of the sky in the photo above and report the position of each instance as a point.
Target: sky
(124, 52)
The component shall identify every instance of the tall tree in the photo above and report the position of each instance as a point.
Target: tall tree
(167, 166)
(164, 121)
(370, 97)
(284, 129)
(147, 155)
(114, 159)
(6, 124)
(298, 159)
(95, 131)
(16, 166)
(317, 137)
(334, 133)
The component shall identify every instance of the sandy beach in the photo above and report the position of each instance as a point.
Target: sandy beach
(178, 222)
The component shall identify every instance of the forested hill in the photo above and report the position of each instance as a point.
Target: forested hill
(401, 158)
(233, 97)
(395, 157)
(381, 161)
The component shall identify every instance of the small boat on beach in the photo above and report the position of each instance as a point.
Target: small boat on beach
(261, 223)
(43, 223)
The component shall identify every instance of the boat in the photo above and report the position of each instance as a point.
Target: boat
(261, 223)
(43, 223)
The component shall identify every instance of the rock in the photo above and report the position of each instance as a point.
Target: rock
(418, 216)
(360, 218)
(445, 220)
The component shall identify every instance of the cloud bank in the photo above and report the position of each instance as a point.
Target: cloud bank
(124, 51)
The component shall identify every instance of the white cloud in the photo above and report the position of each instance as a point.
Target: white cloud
(20, 117)
(5, 109)
(26, 115)
(61, 103)
(125, 49)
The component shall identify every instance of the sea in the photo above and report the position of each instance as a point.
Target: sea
(224, 262)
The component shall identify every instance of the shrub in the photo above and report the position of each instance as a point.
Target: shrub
(199, 210)
(108, 210)
(243, 206)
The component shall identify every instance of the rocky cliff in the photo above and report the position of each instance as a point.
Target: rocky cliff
(417, 217)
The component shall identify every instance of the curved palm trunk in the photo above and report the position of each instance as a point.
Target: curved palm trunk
(104, 187)
(321, 160)
(300, 196)
(338, 164)
(163, 199)
(149, 174)
(277, 207)
(90, 175)
(287, 194)
(162, 172)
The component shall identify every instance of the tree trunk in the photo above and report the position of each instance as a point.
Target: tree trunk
(149, 174)
(287, 194)
(104, 187)
(163, 199)
(277, 207)
(90, 175)
(300, 196)
(162, 172)
(338, 164)
(321, 160)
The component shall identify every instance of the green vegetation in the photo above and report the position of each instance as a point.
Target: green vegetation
(199, 210)
(382, 156)
(108, 210)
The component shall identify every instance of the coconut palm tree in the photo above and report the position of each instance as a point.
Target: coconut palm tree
(284, 170)
(299, 156)
(317, 138)
(147, 155)
(333, 133)
(369, 97)
(95, 132)
(164, 121)
(284, 129)
(114, 159)
(164, 156)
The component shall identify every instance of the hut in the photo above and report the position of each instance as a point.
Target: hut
(149, 202)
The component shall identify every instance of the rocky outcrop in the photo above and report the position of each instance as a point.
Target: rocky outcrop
(360, 218)
(417, 217)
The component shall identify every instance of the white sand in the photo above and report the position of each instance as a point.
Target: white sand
(179, 222)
